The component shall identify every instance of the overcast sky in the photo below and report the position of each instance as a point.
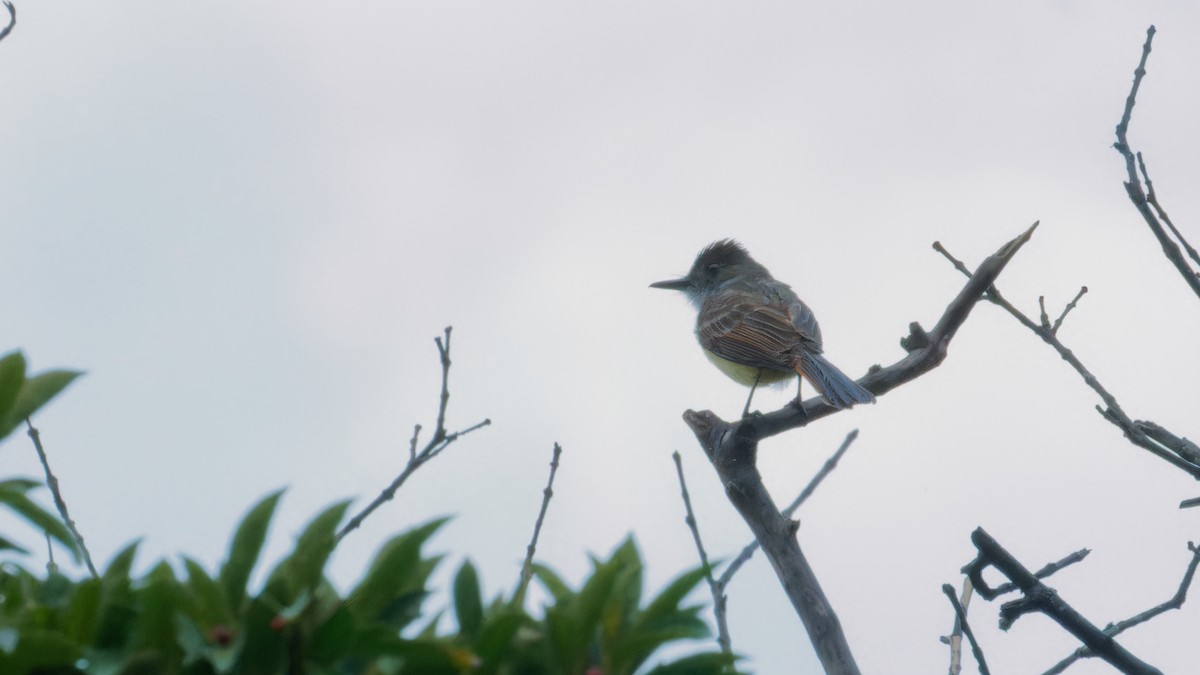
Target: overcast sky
(248, 220)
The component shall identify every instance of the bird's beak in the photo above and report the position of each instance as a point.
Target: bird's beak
(672, 284)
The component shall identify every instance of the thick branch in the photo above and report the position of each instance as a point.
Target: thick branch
(1041, 598)
(732, 448)
(1047, 570)
(826, 469)
(926, 350)
(1112, 630)
(1133, 186)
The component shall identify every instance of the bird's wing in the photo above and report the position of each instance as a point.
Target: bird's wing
(751, 333)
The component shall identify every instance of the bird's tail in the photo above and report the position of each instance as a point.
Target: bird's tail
(834, 385)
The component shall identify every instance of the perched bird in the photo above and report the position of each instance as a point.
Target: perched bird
(755, 329)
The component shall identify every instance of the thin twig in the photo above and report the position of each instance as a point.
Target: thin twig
(434, 447)
(527, 568)
(826, 469)
(1112, 630)
(1112, 410)
(961, 613)
(1067, 310)
(717, 588)
(1048, 569)
(1044, 317)
(954, 639)
(59, 502)
(1152, 197)
(1133, 184)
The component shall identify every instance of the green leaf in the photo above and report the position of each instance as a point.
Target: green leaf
(668, 600)
(468, 601)
(12, 493)
(209, 604)
(334, 639)
(36, 392)
(425, 657)
(302, 569)
(118, 569)
(496, 635)
(637, 646)
(6, 545)
(158, 599)
(246, 547)
(12, 376)
(554, 584)
(43, 651)
(396, 578)
(264, 652)
(54, 591)
(117, 611)
(81, 620)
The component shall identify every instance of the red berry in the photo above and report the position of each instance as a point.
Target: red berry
(221, 634)
(278, 623)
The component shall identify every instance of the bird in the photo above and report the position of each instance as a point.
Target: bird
(755, 329)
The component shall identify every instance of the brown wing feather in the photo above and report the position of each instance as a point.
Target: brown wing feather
(736, 327)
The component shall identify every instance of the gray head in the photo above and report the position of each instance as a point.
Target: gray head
(718, 265)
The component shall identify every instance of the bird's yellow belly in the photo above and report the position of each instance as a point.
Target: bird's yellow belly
(745, 375)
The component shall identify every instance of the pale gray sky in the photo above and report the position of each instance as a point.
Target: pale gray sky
(247, 220)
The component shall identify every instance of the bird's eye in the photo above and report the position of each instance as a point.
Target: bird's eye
(713, 269)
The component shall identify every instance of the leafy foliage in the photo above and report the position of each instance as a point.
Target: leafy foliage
(21, 396)
(183, 620)
(192, 622)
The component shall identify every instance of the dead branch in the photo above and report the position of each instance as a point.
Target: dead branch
(732, 448)
(1038, 597)
(1112, 630)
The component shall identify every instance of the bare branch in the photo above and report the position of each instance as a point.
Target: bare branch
(1113, 411)
(1133, 185)
(1041, 598)
(1047, 570)
(518, 598)
(59, 502)
(926, 350)
(1112, 630)
(732, 449)
(716, 588)
(961, 613)
(434, 447)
